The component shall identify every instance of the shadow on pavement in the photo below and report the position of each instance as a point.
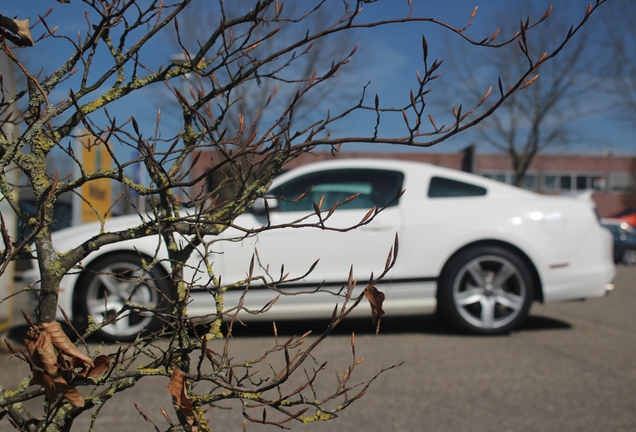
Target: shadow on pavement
(419, 324)
(425, 324)
(537, 322)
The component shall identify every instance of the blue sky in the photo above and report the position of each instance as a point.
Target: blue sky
(388, 58)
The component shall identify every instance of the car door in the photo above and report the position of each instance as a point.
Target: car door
(438, 224)
(336, 247)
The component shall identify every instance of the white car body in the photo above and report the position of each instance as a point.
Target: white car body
(559, 239)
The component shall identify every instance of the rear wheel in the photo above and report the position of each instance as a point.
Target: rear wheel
(116, 291)
(486, 290)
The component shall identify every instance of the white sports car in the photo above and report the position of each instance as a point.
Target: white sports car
(477, 250)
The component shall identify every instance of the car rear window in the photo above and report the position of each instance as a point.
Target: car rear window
(441, 187)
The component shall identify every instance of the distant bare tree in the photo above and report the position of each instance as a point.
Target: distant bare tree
(109, 63)
(337, 92)
(541, 115)
(621, 65)
(619, 23)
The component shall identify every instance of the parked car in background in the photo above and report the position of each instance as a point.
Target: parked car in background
(624, 240)
(479, 251)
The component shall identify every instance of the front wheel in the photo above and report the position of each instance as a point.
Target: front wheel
(119, 294)
(486, 290)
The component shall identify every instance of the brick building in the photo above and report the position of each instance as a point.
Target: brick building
(609, 177)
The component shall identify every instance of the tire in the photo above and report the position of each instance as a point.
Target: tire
(486, 290)
(107, 289)
(629, 257)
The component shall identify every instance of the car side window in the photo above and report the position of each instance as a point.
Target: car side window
(441, 187)
(375, 188)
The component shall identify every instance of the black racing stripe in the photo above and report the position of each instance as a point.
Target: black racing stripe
(306, 285)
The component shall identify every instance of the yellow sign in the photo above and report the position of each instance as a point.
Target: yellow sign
(98, 193)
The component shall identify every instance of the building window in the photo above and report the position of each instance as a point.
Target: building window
(581, 182)
(557, 182)
(550, 183)
(594, 182)
(569, 182)
(597, 183)
(501, 177)
(565, 182)
(620, 182)
(529, 181)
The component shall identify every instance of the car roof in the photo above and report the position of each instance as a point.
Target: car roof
(353, 163)
(408, 167)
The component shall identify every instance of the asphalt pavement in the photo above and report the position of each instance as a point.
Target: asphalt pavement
(570, 368)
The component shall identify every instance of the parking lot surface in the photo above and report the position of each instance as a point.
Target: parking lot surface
(570, 368)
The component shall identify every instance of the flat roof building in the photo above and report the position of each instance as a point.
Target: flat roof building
(611, 178)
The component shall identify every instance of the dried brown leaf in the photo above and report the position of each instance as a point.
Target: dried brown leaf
(46, 382)
(102, 365)
(47, 365)
(71, 394)
(30, 339)
(376, 299)
(177, 389)
(46, 355)
(20, 33)
(63, 343)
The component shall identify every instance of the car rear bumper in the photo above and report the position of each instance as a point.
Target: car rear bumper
(588, 274)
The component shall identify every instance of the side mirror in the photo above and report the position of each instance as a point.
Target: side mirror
(264, 204)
